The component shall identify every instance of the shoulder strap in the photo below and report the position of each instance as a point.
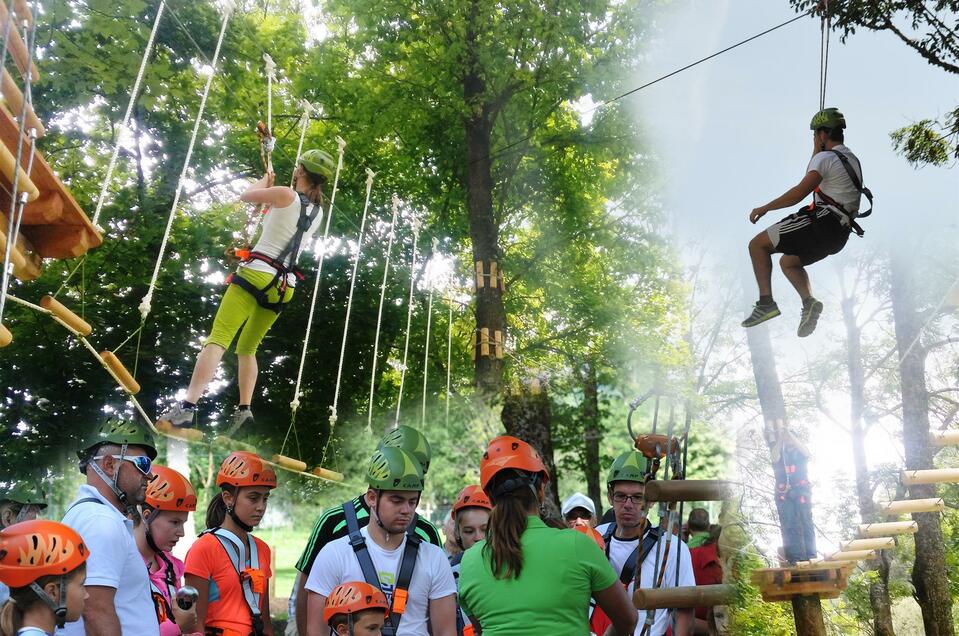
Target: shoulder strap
(358, 543)
(308, 214)
(237, 552)
(407, 565)
(83, 501)
(855, 179)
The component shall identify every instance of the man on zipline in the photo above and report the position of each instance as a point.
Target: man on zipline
(805, 237)
(262, 284)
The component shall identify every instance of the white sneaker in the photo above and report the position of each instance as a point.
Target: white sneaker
(240, 417)
(179, 416)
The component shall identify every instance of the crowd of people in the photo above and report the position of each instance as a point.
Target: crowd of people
(372, 565)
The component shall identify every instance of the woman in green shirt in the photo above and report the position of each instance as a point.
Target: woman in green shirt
(526, 577)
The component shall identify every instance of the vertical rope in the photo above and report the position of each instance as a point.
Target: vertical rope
(409, 318)
(379, 312)
(449, 355)
(304, 123)
(17, 199)
(663, 509)
(270, 76)
(349, 301)
(295, 403)
(429, 324)
(145, 304)
(824, 53)
(134, 93)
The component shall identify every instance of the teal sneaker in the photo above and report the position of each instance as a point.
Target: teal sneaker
(761, 313)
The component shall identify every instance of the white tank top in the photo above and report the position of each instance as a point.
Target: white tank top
(277, 230)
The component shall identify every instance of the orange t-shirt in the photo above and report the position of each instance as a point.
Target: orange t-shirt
(226, 606)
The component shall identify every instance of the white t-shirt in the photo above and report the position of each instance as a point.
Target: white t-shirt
(432, 576)
(114, 562)
(836, 183)
(277, 230)
(31, 631)
(620, 550)
(4, 594)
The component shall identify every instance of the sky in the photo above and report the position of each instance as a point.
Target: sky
(733, 133)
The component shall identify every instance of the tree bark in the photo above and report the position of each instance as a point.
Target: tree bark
(879, 589)
(929, 568)
(484, 230)
(592, 435)
(807, 610)
(526, 415)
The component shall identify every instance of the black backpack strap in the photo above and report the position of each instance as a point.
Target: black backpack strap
(855, 180)
(83, 501)
(407, 565)
(308, 214)
(358, 544)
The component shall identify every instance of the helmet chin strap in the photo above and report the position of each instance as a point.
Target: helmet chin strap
(23, 512)
(149, 534)
(59, 608)
(244, 526)
(113, 483)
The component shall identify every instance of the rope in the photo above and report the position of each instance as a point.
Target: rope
(429, 324)
(17, 199)
(824, 53)
(667, 514)
(379, 312)
(297, 393)
(349, 301)
(134, 93)
(449, 356)
(409, 318)
(304, 124)
(145, 304)
(270, 76)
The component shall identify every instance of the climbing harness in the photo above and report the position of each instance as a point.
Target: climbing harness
(163, 608)
(407, 564)
(849, 218)
(247, 566)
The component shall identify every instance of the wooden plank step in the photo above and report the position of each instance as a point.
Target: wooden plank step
(852, 555)
(880, 543)
(887, 529)
(17, 47)
(930, 476)
(944, 438)
(688, 490)
(14, 101)
(684, 597)
(909, 506)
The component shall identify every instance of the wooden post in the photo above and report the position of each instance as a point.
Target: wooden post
(480, 275)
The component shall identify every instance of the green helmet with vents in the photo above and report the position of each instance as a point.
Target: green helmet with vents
(394, 469)
(119, 432)
(828, 118)
(25, 494)
(630, 466)
(412, 441)
(319, 162)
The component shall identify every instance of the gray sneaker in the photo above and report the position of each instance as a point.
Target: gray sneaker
(179, 416)
(809, 318)
(240, 417)
(761, 313)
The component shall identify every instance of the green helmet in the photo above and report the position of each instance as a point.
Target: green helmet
(118, 431)
(630, 466)
(410, 440)
(829, 118)
(24, 494)
(394, 469)
(319, 162)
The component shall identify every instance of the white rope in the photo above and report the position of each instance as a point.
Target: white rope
(449, 356)
(270, 76)
(295, 403)
(108, 178)
(429, 324)
(349, 299)
(145, 304)
(304, 123)
(379, 312)
(409, 317)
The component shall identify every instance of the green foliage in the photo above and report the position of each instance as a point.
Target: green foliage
(926, 143)
(749, 615)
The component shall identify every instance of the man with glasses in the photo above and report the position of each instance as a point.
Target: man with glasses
(632, 545)
(117, 460)
(578, 508)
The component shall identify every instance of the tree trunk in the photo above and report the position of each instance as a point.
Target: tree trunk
(807, 611)
(484, 230)
(929, 569)
(592, 435)
(526, 415)
(879, 589)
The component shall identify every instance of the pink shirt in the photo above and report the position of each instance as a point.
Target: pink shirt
(159, 582)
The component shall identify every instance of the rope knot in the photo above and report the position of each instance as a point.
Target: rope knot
(145, 305)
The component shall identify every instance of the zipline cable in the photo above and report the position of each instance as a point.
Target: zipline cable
(429, 324)
(379, 312)
(124, 124)
(415, 222)
(824, 53)
(146, 304)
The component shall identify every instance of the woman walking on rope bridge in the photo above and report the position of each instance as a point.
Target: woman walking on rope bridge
(814, 232)
(262, 284)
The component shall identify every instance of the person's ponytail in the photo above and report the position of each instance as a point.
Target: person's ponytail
(11, 618)
(216, 511)
(508, 521)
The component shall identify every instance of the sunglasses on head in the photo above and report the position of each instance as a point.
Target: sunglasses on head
(141, 462)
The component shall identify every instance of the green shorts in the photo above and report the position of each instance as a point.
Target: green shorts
(239, 312)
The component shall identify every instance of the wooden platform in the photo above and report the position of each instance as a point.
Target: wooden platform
(826, 580)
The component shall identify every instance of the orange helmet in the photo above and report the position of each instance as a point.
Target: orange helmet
(31, 549)
(170, 491)
(470, 497)
(583, 526)
(241, 469)
(509, 452)
(350, 598)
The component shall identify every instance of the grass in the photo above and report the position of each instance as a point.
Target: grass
(287, 545)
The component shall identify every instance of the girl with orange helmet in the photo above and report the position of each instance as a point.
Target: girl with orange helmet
(470, 516)
(355, 609)
(526, 573)
(43, 562)
(169, 500)
(228, 566)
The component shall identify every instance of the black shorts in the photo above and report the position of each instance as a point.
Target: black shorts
(810, 236)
